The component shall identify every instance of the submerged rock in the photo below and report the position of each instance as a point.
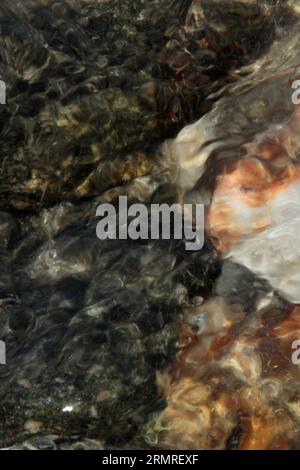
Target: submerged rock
(242, 159)
(86, 85)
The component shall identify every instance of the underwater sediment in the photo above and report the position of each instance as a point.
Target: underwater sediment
(192, 349)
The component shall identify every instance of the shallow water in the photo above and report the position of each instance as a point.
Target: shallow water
(137, 343)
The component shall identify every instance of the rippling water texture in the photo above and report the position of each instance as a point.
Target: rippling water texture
(142, 344)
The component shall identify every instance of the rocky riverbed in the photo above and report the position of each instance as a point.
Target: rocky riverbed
(140, 343)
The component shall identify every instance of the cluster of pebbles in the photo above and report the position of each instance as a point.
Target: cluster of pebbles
(141, 343)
